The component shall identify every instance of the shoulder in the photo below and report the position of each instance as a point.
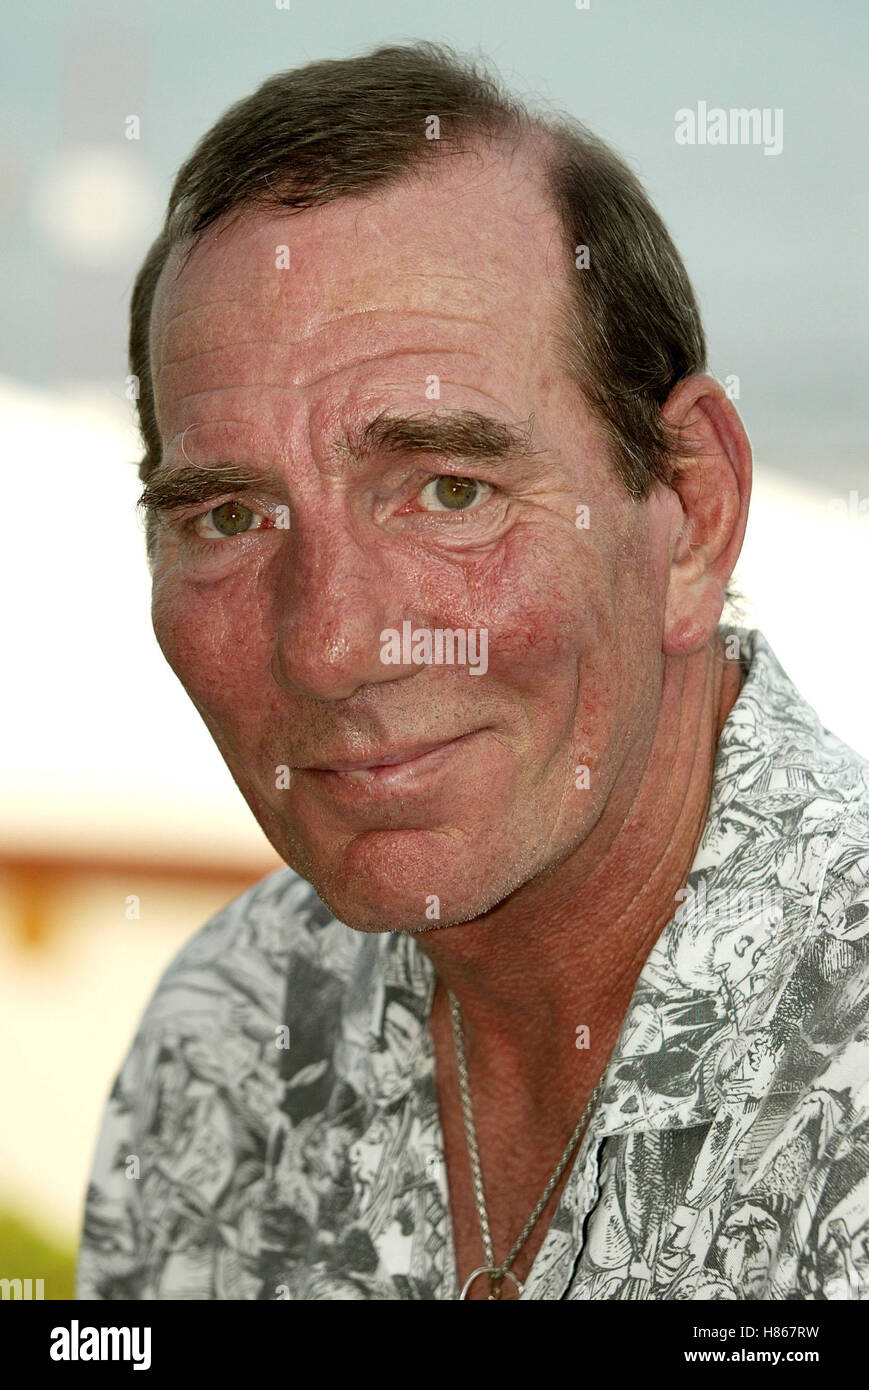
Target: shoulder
(786, 786)
(228, 990)
(188, 1118)
(246, 952)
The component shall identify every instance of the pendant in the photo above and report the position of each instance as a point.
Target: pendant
(496, 1278)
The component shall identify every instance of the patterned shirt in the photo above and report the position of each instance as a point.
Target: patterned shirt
(274, 1130)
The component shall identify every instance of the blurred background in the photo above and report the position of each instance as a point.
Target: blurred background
(121, 831)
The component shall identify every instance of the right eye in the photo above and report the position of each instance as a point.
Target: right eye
(452, 494)
(229, 519)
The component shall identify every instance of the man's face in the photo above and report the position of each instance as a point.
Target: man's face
(446, 285)
(748, 1242)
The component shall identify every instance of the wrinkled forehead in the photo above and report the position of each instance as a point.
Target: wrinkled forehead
(478, 239)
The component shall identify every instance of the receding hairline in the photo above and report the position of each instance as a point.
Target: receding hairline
(531, 141)
(534, 146)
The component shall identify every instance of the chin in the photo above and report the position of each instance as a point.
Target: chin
(398, 895)
(380, 907)
(413, 880)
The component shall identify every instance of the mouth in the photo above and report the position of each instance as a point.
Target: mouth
(390, 768)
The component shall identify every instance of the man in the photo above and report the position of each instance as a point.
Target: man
(564, 992)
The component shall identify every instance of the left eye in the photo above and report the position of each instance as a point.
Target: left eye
(229, 519)
(449, 493)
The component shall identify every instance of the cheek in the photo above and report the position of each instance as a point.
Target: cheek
(213, 642)
(556, 640)
(539, 601)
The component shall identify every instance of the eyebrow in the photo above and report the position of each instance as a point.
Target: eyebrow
(459, 434)
(169, 488)
(464, 435)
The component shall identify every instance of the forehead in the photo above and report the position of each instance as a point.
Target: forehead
(470, 254)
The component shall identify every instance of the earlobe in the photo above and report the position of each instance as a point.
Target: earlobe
(692, 616)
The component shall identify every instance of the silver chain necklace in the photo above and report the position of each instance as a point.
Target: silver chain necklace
(496, 1274)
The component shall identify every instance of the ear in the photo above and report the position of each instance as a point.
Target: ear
(713, 488)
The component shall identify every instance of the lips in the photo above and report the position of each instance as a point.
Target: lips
(388, 758)
(390, 771)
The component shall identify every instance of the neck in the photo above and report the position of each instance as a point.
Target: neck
(565, 950)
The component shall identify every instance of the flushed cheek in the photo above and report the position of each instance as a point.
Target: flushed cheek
(557, 647)
(534, 660)
(543, 621)
(215, 645)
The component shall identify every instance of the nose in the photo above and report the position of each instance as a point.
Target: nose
(336, 597)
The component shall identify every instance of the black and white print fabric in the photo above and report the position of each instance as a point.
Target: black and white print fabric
(273, 1132)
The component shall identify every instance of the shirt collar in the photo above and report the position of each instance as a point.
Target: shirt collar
(697, 1033)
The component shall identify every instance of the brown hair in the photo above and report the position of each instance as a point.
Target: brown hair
(630, 327)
